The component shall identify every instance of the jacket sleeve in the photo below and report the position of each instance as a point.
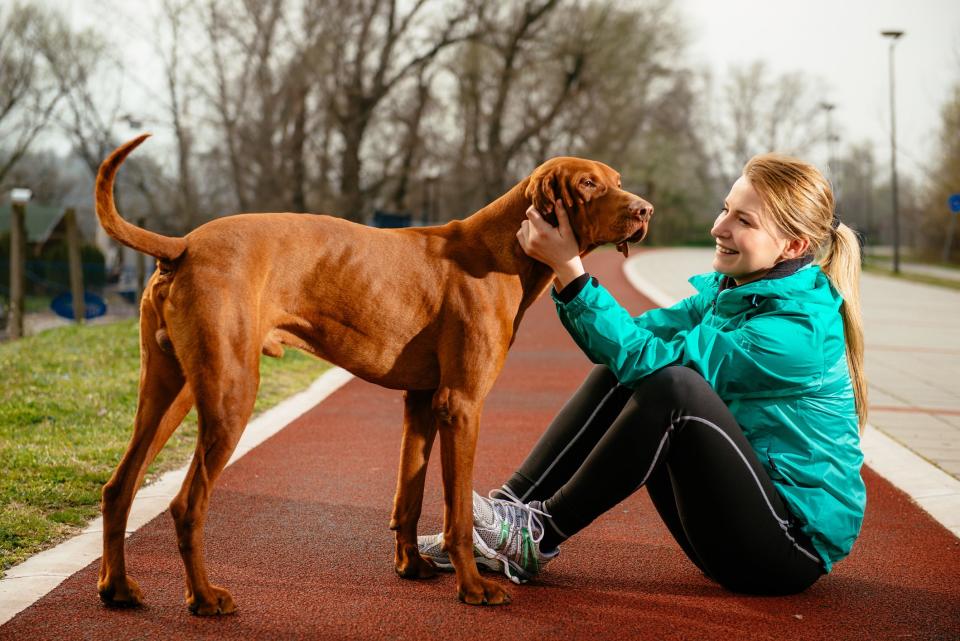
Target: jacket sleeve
(667, 321)
(771, 355)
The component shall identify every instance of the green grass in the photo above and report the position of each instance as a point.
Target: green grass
(884, 270)
(36, 304)
(67, 403)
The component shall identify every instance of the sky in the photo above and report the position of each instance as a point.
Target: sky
(839, 42)
(836, 42)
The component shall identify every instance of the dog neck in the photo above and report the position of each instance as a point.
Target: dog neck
(496, 225)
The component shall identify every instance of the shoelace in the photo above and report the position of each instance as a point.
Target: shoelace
(511, 509)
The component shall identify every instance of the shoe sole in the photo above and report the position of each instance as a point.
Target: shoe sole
(483, 563)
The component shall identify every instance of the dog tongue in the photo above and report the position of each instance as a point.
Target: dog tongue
(624, 249)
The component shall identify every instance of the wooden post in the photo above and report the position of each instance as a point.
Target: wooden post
(951, 232)
(18, 256)
(76, 268)
(141, 267)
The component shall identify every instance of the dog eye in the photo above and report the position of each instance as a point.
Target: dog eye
(589, 183)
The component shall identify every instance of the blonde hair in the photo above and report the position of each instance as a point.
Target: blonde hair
(799, 202)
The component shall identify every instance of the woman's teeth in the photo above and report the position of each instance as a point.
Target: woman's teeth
(724, 250)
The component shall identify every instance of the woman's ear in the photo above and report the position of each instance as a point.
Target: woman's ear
(795, 248)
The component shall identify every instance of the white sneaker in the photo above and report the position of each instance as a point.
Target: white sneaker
(506, 537)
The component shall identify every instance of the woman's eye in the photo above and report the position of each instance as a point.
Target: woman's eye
(744, 222)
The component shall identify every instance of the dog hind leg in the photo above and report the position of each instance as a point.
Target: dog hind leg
(224, 376)
(164, 400)
(419, 430)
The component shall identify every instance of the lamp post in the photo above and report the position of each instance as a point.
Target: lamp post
(832, 170)
(894, 36)
(827, 108)
(18, 255)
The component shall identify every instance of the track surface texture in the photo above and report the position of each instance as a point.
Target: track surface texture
(297, 530)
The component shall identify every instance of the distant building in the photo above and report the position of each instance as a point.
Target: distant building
(44, 224)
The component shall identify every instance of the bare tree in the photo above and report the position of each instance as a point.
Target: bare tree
(271, 64)
(184, 192)
(380, 47)
(940, 226)
(29, 93)
(532, 78)
(412, 148)
(88, 113)
(758, 111)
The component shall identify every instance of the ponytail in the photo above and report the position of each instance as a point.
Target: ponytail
(841, 264)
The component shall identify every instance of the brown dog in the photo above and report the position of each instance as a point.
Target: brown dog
(431, 311)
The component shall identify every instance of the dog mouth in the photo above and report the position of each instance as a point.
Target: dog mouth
(624, 245)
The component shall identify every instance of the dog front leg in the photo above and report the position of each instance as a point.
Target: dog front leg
(419, 430)
(459, 427)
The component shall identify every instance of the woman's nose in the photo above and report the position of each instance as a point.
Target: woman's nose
(717, 230)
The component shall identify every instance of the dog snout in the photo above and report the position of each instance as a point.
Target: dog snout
(641, 209)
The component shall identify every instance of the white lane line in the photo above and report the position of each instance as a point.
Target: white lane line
(935, 491)
(26, 583)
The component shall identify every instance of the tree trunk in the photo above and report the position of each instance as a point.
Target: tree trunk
(351, 197)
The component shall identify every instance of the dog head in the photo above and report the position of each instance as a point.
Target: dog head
(600, 211)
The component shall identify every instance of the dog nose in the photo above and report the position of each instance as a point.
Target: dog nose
(641, 209)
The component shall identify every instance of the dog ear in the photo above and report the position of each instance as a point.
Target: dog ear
(546, 185)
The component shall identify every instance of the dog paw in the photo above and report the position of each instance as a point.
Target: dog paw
(217, 601)
(415, 566)
(483, 593)
(123, 593)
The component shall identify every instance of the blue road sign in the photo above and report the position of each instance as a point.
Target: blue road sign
(954, 202)
(93, 305)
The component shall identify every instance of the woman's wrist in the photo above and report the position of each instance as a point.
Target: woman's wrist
(567, 272)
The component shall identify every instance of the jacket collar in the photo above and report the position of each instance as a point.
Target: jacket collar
(804, 286)
(781, 270)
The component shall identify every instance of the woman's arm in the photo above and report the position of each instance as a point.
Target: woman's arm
(558, 248)
(770, 355)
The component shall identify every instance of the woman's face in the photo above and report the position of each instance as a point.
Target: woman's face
(747, 244)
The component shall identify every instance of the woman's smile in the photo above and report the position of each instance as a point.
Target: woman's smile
(725, 251)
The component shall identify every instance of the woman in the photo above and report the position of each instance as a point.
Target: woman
(738, 408)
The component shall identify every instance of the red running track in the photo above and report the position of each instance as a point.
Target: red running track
(298, 531)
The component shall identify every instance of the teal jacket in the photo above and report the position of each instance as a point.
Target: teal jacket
(774, 351)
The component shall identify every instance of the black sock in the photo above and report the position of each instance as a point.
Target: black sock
(552, 536)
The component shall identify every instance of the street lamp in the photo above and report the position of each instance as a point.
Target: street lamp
(827, 108)
(894, 36)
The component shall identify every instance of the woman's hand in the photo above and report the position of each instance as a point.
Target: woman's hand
(557, 246)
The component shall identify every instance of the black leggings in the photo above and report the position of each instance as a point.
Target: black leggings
(676, 436)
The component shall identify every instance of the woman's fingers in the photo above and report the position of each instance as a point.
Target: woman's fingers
(563, 221)
(523, 236)
(534, 216)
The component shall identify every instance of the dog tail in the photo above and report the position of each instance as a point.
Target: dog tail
(163, 247)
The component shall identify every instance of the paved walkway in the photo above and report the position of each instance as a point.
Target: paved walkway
(912, 351)
(297, 529)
